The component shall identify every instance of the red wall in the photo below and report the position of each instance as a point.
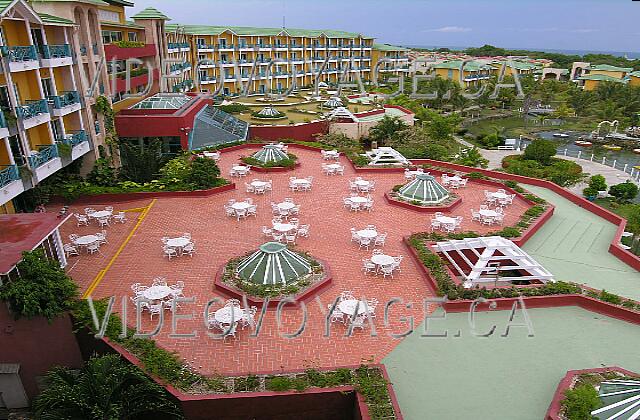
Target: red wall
(113, 51)
(37, 346)
(303, 132)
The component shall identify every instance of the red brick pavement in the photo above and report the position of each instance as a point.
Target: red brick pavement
(219, 238)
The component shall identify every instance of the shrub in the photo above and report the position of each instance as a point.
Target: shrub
(562, 172)
(103, 174)
(589, 192)
(598, 183)
(233, 108)
(129, 44)
(625, 191)
(580, 402)
(610, 298)
(204, 173)
(541, 151)
(42, 289)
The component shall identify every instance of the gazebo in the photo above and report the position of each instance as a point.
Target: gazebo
(425, 189)
(332, 103)
(273, 264)
(270, 153)
(269, 112)
(620, 399)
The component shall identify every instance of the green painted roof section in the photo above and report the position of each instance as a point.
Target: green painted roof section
(424, 189)
(389, 47)
(120, 3)
(256, 31)
(125, 24)
(93, 2)
(607, 67)
(600, 78)
(270, 152)
(273, 263)
(4, 4)
(150, 13)
(54, 20)
(468, 66)
(518, 65)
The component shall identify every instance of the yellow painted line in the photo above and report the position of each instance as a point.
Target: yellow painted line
(135, 210)
(96, 281)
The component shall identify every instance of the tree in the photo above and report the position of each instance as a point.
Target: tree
(42, 289)
(106, 387)
(386, 129)
(141, 163)
(472, 157)
(624, 192)
(598, 183)
(441, 127)
(204, 173)
(541, 151)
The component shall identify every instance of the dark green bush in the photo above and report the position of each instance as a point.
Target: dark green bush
(580, 402)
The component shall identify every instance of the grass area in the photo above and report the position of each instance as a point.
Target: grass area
(515, 126)
(292, 114)
(622, 210)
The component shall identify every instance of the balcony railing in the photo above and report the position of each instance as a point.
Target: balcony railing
(175, 45)
(32, 108)
(8, 174)
(56, 51)
(25, 53)
(264, 45)
(83, 50)
(44, 154)
(67, 98)
(280, 46)
(74, 138)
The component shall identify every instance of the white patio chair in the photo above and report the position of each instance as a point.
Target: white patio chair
(463, 182)
(303, 231)
(380, 239)
(449, 227)
(81, 219)
(368, 266)
(484, 207)
(109, 208)
(177, 289)
(89, 210)
(295, 211)
(346, 295)
(372, 304)
(232, 303)
(103, 221)
(368, 206)
(70, 249)
(475, 216)
(386, 270)
(365, 242)
(267, 232)
(377, 251)
(354, 236)
(249, 188)
(278, 237)
(248, 200)
(169, 252)
(159, 281)
(102, 237)
(499, 219)
(336, 315)
(260, 190)
(248, 317)
(346, 202)
(229, 211)
(486, 220)
(435, 225)
(155, 309)
(396, 263)
(358, 322)
(189, 249)
(340, 170)
(353, 186)
(252, 211)
(93, 247)
(371, 227)
(73, 237)
(241, 214)
(354, 206)
(120, 217)
(290, 238)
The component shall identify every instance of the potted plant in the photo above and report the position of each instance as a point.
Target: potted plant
(590, 193)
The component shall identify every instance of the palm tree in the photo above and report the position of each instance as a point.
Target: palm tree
(106, 387)
(386, 129)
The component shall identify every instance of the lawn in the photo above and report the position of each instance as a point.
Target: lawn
(622, 210)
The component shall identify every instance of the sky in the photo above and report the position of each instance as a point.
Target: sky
(594, 25)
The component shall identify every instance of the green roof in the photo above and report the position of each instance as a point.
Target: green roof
(150, 13)
(518, 65)
(54, 20)
(607, 67)
(93, 2)
(388, 47)
(273, 263)
(270, 152)
(601, 78)
(468, 66)
(125, 24)
(635, 74)
(255, 31)
(120, 3)
(424, 189)
(4, 4)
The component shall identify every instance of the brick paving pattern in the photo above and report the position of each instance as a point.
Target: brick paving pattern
(219, 238)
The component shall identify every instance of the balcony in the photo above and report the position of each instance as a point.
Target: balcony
(179, 68)
(206, 64)
(33, 112)
(45, 161)
(56, 55)
(264, 46)
(113, 51)
(206, 48)
(10, 183)
(246, 46)
(23, 58)
(79, 142)
(280, 46)
(225, 47)
(65, 104)
(207, 80)
(4, 127)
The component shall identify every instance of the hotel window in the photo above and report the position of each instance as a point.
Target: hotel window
(47, 89)
(109, 37)
(242, 42)
(259, 41)
(450, 74)
(57, 128)
(222, 43)
(108, 16)
(133, 36)
(200, 42)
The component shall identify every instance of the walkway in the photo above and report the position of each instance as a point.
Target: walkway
(510, 377)
(574, 246)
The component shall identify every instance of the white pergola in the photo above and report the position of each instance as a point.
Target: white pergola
(386, 156)
(342, 113)
(487, 257)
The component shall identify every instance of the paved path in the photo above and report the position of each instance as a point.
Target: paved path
(574, 246)
(496, 377)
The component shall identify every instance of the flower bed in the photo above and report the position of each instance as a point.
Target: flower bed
(448, 204)
(285, 164)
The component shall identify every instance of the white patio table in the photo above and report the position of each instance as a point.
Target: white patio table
(348, 306)
(382, 259)
(228, 313)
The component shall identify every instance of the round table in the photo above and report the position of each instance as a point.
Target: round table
(445, 220)
(156, 292)
(286, 205)
(226, 314)
(240, 168)
(283, 227)
(488, 213)
(100, 214)
(359, 200)
(362, 183)
(349, 306)
(178, 242)
(86, 240)
(331, 153)
(382, 259)
(455, 178)
(499, 195)
(258, 184)
(367, 233)
(300, 181)
(334, 166)
(414, 173)
(240, 205)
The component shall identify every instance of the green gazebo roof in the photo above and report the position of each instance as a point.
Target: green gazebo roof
(424, 189)
(270, 153)
(273, 263)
